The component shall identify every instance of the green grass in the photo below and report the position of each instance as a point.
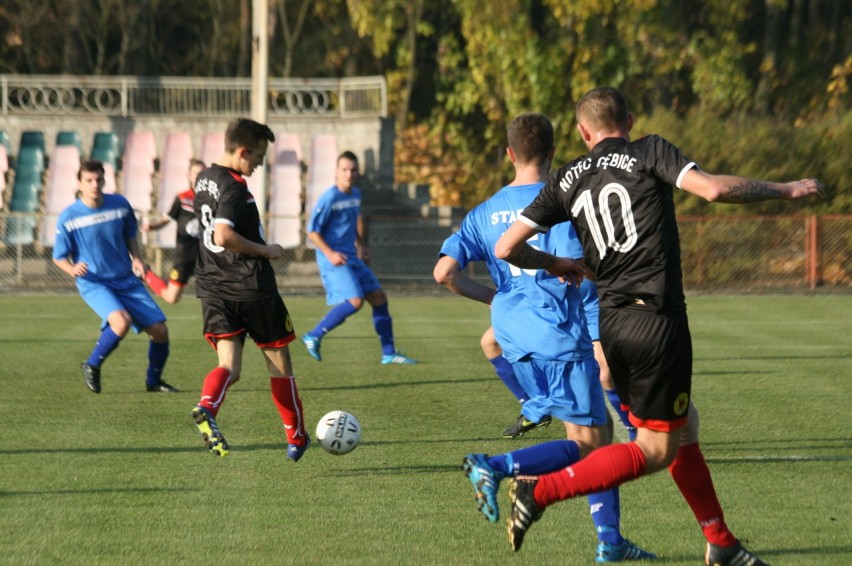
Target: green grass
(122, 478)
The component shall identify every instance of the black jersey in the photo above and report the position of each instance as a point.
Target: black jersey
(619, 198)
(183, 213)
(222, 196)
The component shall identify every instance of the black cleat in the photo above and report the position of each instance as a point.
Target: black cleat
(736, 555)
(161, 387)
(522, 426)
(524, 510)
(92, 375)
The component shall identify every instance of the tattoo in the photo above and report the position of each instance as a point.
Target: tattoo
(750, 190)
(528, 257)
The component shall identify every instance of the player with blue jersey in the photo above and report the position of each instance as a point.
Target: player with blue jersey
(96, 245)
(336, 229)
(540, 323)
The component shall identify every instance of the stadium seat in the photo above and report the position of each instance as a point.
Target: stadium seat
(30, 157)
(105, 148)
(109, 178)
(4, 168)
(60, 189)
(174, 167)
(69, 138)
(212, 147)
(21, 229)
(32, 138)
(320, 170)
(6, 142)
(285, 191)
(137, 184)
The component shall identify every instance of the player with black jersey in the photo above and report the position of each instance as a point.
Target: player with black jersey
(619, 199)
(186, 246)
(236, 284)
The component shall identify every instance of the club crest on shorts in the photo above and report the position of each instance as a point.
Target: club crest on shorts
(681, 403)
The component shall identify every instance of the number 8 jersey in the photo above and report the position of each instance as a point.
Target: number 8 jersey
(619, 199)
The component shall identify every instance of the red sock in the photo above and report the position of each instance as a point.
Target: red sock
(692, 476)
(603, 469)
(213, 391)
(285, 395)
(155, 283)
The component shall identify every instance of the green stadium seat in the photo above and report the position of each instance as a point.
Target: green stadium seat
(20, 230)
(24, 195)
(30, 157)
(105, 148)
(69, 138)
(104, 155)
(5, 141)
(32, 138)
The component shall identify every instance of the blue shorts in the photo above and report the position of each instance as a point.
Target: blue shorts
(569, 391)
(349, 281)
(128, 295)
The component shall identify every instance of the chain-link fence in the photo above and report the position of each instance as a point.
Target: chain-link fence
(752, 254)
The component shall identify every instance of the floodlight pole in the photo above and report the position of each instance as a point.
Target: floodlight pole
(260, 82)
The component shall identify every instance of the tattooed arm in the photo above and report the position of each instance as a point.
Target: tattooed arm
(739, 190)
(512, 247)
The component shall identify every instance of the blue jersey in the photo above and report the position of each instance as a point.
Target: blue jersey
(98, 237)
(335, 218)
(533, 313)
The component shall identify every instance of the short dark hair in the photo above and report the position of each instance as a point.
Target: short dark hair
(348, 155)
(90, 166)
(196, 163)
(531, 137)
(604, 107)
(243, 132)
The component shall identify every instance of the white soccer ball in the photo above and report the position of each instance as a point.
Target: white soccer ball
(338, 432)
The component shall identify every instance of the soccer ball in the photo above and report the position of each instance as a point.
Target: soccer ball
(338, 432)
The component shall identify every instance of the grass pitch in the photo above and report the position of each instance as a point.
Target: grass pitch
(122, 477)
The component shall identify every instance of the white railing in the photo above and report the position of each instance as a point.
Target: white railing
(194, 96)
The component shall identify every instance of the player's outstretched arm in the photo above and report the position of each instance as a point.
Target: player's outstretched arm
(447, 272)
(512, 247)
(740, 190)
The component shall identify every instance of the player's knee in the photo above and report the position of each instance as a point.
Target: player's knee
(158, 332)
(120, 322)
(356, 303)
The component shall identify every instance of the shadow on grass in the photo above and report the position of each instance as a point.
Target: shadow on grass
(110, 491)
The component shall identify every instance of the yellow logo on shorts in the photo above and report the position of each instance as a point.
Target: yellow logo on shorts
(174, 274)
(681, 404)
(288, 324)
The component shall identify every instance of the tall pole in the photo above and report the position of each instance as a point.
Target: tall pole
(260, 83)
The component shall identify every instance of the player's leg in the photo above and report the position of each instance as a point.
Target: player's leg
(269, 324)
(610, 392)
(382, 321)
(116, 323)
(344, 293)
(178, 278)
(147, 316)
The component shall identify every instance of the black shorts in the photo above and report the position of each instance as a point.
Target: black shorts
(265, 320)
(181, 272)
(650, 357)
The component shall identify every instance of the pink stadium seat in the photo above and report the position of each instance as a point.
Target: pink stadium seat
(109, 178)
(4, 168)
(212, 147)
(137, 184)
(285, 191)
(174, 167)
(320, 170)
(60, 189)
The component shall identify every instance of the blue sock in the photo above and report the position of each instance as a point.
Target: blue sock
(507, 374)
(333, 319)
(383, 324)
(106, 344)
(605, 507)
(537, 459)
(612, 396)
(158, 353)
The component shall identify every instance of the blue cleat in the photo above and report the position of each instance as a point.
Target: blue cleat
(296, 451)
(486, 482)
(397, 358)
(313, 346)
(621, 552)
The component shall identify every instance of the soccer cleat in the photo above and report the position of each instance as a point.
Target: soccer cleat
(736, 555)
(210, 433)
(486, 482)
(397, 358)
(621, 552)
(523, 426)
(161, 387)
(524, 510)
(313, 346)
(92, 375)
(296, 451)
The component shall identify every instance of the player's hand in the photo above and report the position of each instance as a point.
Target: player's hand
(364, 254)
(79, 269)
(568, 271)
(804, 188)
(145, 227)
(274, 251)
(337, 258)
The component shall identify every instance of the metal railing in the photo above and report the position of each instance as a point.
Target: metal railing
(188, 96)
